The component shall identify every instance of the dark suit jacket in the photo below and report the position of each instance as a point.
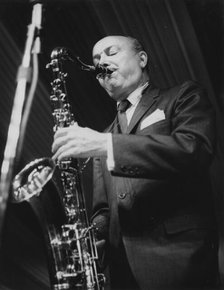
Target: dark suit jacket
(158, 197)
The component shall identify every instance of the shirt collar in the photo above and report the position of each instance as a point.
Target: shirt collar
(136, 95)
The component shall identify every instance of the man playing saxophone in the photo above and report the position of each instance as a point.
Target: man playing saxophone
(152, 199)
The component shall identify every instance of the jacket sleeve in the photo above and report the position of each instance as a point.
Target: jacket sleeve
(189, 145)
(100, 213)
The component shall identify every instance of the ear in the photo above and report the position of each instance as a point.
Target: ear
(143, 58)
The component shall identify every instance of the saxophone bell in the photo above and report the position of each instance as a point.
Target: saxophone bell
(31, 179)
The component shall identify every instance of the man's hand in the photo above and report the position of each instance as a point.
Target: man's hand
(78, 142)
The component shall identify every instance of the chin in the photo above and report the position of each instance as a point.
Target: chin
(116, 95)
(114, 88)
(111, 87)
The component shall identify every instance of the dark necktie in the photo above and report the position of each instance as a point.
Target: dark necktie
(122, 118)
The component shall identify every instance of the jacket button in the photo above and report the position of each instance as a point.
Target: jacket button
(122, 195)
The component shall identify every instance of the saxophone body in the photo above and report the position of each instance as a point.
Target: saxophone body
(72, 245)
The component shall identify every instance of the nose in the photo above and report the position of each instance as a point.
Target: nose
(103, 60)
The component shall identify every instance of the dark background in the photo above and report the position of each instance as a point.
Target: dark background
(184, 40)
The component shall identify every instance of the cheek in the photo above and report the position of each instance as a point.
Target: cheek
(132, 75)
(130, 68)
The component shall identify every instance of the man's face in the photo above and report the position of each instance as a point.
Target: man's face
(118, 54)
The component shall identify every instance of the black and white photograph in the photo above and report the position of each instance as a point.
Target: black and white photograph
(111, 144)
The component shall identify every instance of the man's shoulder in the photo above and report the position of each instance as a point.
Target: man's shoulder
(187, 85)
(186, 88)
(187, 91)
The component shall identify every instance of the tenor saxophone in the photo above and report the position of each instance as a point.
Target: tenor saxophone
(72, 244)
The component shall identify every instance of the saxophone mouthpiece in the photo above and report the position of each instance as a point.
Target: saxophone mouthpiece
(102, 70)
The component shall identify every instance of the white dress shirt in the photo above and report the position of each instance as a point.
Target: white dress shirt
(134, 98)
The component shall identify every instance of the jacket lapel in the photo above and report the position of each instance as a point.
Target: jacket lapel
(114, 126)
(146, 104)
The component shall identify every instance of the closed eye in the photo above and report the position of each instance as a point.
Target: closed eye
(113, 52)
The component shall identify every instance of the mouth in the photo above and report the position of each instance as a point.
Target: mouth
(106, 76)
(108, 73)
